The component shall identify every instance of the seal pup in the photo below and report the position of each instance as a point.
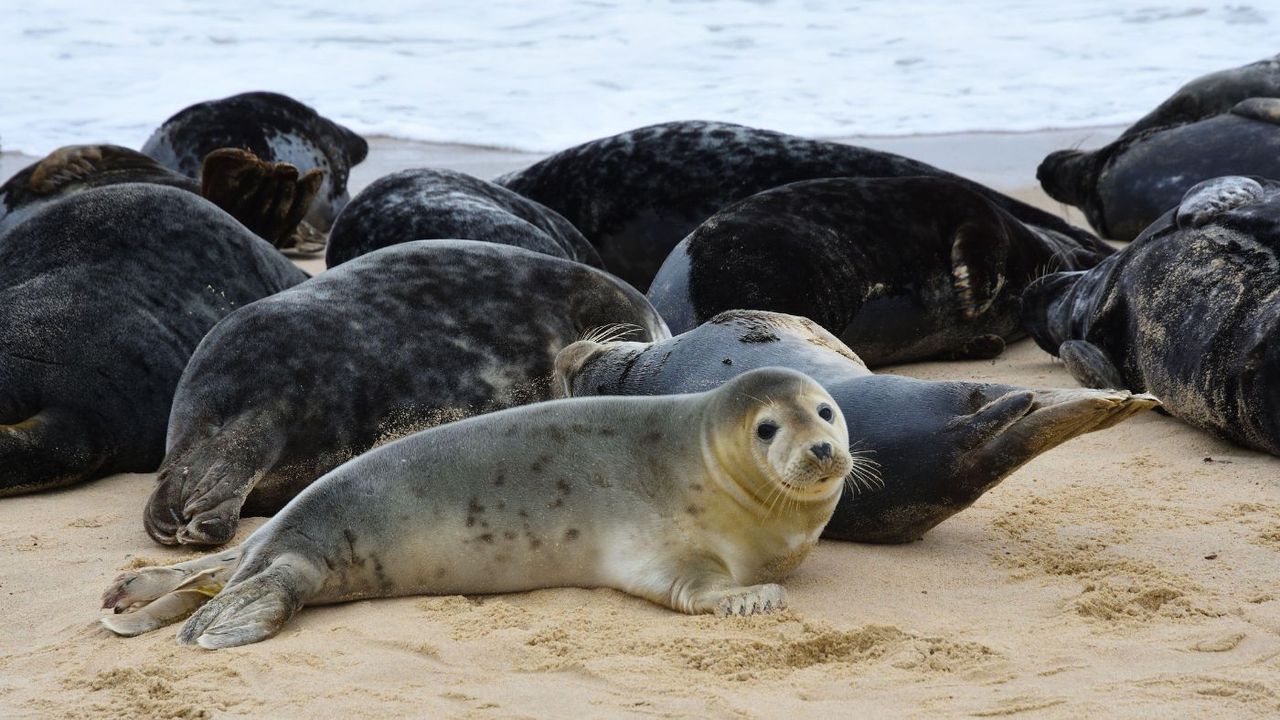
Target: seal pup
(636, 194)
(103, 297)
(900, 269)
(700, 503)
(275, 128)
(925, 450)
(1190, 312)
(1224, 123)
(268, 198)
(392, 342)
(431, 203)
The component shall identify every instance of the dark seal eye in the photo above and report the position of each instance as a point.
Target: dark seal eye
(766, 430)
(824, 412)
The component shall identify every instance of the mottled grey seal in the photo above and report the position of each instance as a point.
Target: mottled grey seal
(268, 198)
(901, 269)
(1190, 311)
(1224, 123)
(636, 194)
(428, 204)
(275, 128)
(700, 503)
(103, 297)
(394, 341)
(931, 448)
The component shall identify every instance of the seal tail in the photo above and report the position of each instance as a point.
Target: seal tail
(269, 198)
(50, 449)
(250, 609)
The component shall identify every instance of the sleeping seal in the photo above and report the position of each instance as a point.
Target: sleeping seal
(392, 342)
(268, 198)
(428, 204)
(938, 446)
(700, 503)
(1224, 123)
(636, 194)
(275, 128)
(900, 269)
(103, 297)
(1190, 312)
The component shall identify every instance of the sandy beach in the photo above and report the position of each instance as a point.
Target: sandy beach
(1126, 574)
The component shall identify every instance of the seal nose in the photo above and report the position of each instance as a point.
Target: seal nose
(822, 450)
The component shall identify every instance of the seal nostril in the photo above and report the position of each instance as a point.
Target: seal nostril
(822, 451)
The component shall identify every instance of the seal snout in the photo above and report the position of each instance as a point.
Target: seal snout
(1061, 174)
(821, 450)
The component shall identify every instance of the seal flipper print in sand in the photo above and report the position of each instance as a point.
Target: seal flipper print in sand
(922, 450)
(103, 298)
(636, 194)
(900, 269)
(392, 342)
(276, 129)
(1190, 312)
(267, 198)
(1224, 123)
(429, 204)
(700, 503)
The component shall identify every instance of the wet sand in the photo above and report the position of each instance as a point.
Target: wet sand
(1128, 573)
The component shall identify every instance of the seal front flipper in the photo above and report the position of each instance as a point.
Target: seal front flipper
(249, 610)
(1206, 200)
(53, 448)
(979, 347)
(269, 198)
(1262, 109)
(1090, 366)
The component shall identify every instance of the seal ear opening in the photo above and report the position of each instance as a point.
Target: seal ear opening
(978, 257)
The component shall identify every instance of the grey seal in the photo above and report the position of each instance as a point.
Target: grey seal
(401, 339)
(428, 204)
(103, 298)
(929, 449)
(700, 503)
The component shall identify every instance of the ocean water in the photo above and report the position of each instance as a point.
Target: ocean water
(542, 75)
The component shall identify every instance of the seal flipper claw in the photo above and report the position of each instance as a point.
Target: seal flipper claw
(1090, 366)
(269, 198)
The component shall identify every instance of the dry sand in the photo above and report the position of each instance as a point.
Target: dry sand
(1126, 574)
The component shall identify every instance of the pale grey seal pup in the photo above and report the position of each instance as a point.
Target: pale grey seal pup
(103, 298)
(392, 342)
(900, 269)
(1224, 123)
(936, 447)
(430, 203)
(275, 128)
(636, 194)
(700, 503)
(1190, 312)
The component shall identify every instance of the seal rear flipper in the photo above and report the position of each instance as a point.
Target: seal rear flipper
(1090, 366)
(1262, 109)
(1206, 200)
(269, 198)
(249, 610)
(978, 253)
(76, 163)
(53, 448)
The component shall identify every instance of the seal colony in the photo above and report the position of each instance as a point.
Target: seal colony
(942, 447)
(103, 298)
(1190, 311)
(256, 428)
(700, 503)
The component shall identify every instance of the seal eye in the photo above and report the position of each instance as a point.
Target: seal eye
(824, 412)
(766, 430)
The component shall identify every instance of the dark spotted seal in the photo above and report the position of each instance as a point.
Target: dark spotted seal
(700, 503)
(103, 298)
(637, 194)
(1225, 123)
(924, 450)
(268, 198)
(394, 341)
(1190, 312)
(900, 269)
(428, 204)
(275, 128)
